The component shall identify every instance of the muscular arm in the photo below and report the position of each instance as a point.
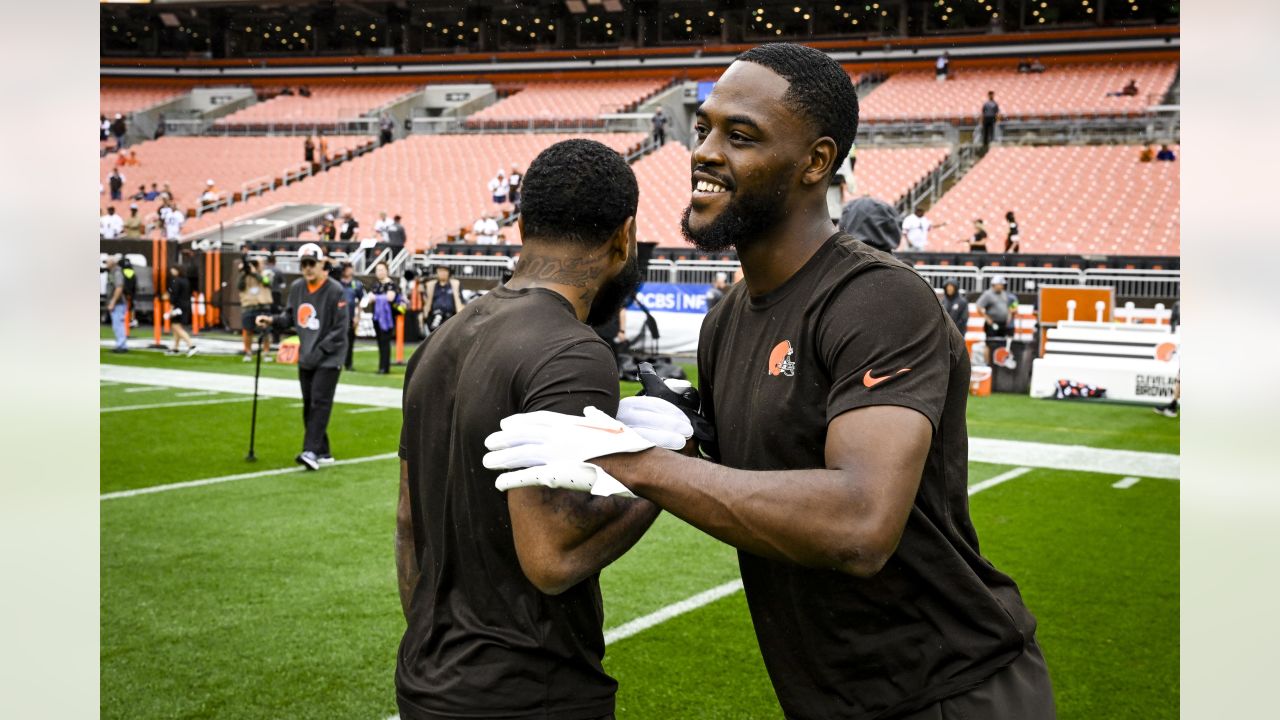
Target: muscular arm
(406, 553)
(848, 516)
(563, 537)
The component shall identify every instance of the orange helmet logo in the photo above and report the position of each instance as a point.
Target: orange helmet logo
(307, 317)
(1165, 351)
(780, 359)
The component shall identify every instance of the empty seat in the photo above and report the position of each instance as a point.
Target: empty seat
(567, 100)
(125, 99)
(327, 104)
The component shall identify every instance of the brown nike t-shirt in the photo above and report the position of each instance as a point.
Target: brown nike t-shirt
(482, 641)
(854, 328)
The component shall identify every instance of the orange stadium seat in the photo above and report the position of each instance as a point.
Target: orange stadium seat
(437, 183)
(567, 100)
(187, 163)
(1061, 90)
(125, 99)
(885, 173)
(1073, 200)
(327, 104)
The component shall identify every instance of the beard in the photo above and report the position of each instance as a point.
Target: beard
(744, 219)
(616, 293)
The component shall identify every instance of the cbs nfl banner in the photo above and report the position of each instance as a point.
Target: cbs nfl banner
(678, 309)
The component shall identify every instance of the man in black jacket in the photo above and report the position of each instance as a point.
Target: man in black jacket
(956, 305)
(317, 310)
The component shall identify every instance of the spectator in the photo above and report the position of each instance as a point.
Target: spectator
(445, 295)
(942, 67)
(350, 225)
(485, 231)
(115, 183)
(513, 186)
(328, 231)
(956, 305)
(166, 193)
(173, 219)
(499, 188)
(353, 292)
(151, 194)
(1129, 90)
(990, 114)
(1036, 66)
(104, 128)
(1147, 155)
(978, 244)
(873, 222)
(382, 226)
(178, 295)
(309, 150)
(111, 225)
(395, 234)
(386, 304)
(131, 158)
(387, 126)
(159, 127)
(1165, 154)
(324, 146)
(304, 91)
(719, 286)
(118, 130)
(116, 301)
(133, 227)
(255, 300)
(916, 227)
(141, 194)
(1011, 245)
(210, 193)
(659, 127)
(999, 307)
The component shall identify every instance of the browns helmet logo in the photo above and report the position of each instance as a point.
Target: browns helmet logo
(307, 317)
(780, 359)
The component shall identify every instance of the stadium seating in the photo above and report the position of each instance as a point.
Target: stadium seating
(437, 183)
(580, 100)
(885, 173)
(1074, 90)
(187, 163)
(125, 99)
(327, 104)
(1078, 200)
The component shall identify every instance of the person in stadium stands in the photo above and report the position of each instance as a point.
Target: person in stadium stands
(104, 128)
(159, 133)
(255, 300)
(178, 295)
(513, 187)
(210, 194)
(141, 194)
(1011, 245)
(317, 311)
(990, 114)
(942, 67)
(444, 294)
(111, 225)
(173, 219)
(485, 230)
(115, 183)
(386, 304)
(309, 150)
(1148, 154)
(323, 147)
(118, 129)
(873, 222)
(956, 305)
(837, 389)
(133, 227)
(977, 243)
(503, 608)
(116, 305)
(347, 232)
(499, 188)
(659, 121)
(916, 228)
(387, 128)
(304, 91)
(999, 306)
(151, 194)
(381, 226)
(1165, 154)
(166, 193)
(1129, 90)
(1036, 66)
(395, 234)
(353, 293)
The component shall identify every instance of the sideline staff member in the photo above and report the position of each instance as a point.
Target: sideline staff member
(317, 311)
(837, 386)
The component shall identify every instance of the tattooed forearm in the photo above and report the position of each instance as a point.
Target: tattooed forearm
(572, 271)
(582, 512)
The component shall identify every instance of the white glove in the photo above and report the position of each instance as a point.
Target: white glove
(656, 420)
(581, 477)
(545, 437)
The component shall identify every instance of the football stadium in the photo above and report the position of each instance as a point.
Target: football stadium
(370, 183)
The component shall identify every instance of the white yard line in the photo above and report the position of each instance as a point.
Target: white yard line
(232, 478)
(197, 393)
(145, 388)
(640, 624)
(1126, 483)
(243, 384)
(1075, 457)
(1001, 478)
(219, 401)
(368, 409)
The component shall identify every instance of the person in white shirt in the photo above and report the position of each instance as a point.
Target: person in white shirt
(382, 226)
(111, 225)
(499, 187)
(173, 218)
(210, 195)
(942, 67)
(916, 227)
(485, 231)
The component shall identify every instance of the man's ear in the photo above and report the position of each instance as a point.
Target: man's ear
(621, 241)
(822, 161)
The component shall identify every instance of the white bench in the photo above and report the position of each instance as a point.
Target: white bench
(1136, 363)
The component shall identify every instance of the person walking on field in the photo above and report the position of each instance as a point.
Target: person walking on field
(386, 304)
(317, 312)
(178, 295)
(353, 293)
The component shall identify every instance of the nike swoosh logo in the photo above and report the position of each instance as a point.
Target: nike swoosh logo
(871, 381)
(614, 431)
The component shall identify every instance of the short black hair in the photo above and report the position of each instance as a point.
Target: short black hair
(821, 91)
(579, 191)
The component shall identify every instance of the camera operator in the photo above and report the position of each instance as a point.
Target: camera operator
(255, 300)
(445, 295)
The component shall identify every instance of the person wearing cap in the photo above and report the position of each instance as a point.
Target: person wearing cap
(116, 304)
(317, 311)
(872, 221)
(133, 227)
(118, 130)
(998, 305)
(719, 286)
(210, 194)
(499, 188)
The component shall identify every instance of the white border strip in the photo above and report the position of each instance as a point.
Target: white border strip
(232, 478)
(664, 614)
(1003, 477)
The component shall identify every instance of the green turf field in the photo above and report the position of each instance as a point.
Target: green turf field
(274, 595)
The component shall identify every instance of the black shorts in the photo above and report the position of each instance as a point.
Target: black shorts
(249, 317)
(181, 314)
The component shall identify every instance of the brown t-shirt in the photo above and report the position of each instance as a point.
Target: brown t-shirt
(482, 641)
(855, 328)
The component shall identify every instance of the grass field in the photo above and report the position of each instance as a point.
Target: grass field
(274, 595)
